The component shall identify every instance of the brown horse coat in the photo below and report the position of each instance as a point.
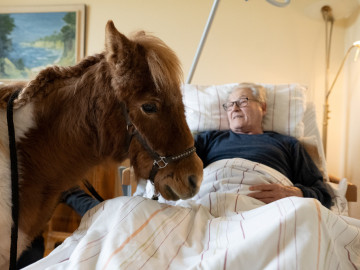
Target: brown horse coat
(69, 119)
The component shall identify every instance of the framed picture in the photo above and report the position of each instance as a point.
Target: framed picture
(34, 37)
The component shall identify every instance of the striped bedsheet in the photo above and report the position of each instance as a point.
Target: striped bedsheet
(221, 228)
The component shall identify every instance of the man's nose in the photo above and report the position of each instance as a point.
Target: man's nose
(236, 107)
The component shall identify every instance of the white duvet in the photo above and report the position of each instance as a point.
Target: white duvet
(221, 228)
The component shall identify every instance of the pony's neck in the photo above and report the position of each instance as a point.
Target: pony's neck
(73, 133)
(76, 115)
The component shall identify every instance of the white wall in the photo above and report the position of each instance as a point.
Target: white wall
(351, 111)
(249, 41)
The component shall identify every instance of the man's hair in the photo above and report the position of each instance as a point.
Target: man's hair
(257, 90)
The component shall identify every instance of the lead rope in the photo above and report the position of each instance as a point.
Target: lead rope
(14, 181)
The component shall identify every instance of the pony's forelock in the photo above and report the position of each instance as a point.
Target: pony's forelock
(163, 63)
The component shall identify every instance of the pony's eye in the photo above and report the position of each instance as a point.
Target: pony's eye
(149, 108)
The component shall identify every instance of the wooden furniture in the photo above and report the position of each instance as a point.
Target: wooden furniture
(65, 220)
(351, 192)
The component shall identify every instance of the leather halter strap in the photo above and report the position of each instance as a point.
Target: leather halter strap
(159, 162)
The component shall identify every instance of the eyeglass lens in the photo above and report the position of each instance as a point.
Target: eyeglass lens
(242, 102)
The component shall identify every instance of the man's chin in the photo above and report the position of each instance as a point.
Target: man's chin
(237, 129)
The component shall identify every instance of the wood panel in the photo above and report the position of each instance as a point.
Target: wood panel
(351, 192)
(65, 220)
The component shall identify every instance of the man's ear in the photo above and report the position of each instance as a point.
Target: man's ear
(263, 107)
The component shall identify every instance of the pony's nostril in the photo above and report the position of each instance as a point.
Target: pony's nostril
(192, 181)
(171, 193)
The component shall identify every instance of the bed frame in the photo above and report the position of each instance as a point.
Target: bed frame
(125, 183)
(128, 184)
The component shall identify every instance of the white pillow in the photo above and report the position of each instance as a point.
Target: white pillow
(310, 143)
(312, 139)
(286, 104)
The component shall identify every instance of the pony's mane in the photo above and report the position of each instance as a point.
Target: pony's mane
(163, 63)
(37, 86)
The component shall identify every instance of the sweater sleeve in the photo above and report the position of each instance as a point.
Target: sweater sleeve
(200, 145)
(307, 176)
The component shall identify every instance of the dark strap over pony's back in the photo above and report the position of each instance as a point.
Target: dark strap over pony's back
(14, 181)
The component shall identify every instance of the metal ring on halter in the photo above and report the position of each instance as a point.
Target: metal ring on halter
(161, 160)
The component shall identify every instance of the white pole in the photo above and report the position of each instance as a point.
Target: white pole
(202, 41)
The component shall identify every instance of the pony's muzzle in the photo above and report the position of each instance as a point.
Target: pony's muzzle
(193, 187)
(193, 181)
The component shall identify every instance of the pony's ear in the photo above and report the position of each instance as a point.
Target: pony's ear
(116, 44)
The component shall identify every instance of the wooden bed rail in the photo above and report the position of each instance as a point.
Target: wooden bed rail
(351, 192)
(127, 182)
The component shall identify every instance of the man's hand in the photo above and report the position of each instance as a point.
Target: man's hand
(268, 193)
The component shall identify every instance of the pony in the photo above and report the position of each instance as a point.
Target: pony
(123, 103)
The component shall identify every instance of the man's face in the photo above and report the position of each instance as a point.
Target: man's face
(247, 119)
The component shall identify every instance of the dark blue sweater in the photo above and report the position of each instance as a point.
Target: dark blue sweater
(282, 153)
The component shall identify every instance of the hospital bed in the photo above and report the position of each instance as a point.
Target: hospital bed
(221, 227)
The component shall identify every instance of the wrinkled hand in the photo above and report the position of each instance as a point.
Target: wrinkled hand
(268, 193)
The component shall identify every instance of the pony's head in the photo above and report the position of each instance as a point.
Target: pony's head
(146, 77)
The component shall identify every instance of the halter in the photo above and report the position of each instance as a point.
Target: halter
(159, 162)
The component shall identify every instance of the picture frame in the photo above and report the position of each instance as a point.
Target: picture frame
(34, 37)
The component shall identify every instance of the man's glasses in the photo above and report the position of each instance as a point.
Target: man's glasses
(241, 102)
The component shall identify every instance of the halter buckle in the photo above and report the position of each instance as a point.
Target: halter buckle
(161, 163)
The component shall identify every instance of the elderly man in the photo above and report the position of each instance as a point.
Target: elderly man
(246, 139)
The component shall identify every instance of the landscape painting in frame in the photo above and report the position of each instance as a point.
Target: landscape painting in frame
(35, 37)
